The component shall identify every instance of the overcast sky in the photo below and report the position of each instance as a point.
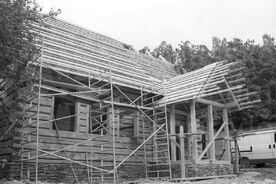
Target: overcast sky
(148, 22)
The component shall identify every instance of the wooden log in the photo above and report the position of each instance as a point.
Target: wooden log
(227, 136)
(172, 131)
(209, 102)
(212, 150)
(182, 151)
(193, 129)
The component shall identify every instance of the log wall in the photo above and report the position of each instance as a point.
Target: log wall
(99, 152)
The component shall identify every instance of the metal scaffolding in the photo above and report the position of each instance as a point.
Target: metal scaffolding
(155, 144)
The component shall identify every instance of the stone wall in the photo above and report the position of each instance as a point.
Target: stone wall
(202, 170)
(61, 172)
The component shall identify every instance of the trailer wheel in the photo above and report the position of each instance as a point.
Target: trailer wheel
(244, 162)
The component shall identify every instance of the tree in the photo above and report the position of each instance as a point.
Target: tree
(144, 49)
(187, 56)
(166, 51)
(194, 56)
(17, 51)
(219, 48)
(260, 66)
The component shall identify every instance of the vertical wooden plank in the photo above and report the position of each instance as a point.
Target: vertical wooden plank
(237, 158)
(117, 122)
(77, 118)
(136, 125)
(109, 119)
(226, 130)
(52, 112)
(82, 119)
(172, 131)
(87, 118)
(207, 136)
(193, 129)
(182, 151)
(189, 129)
(211, 131)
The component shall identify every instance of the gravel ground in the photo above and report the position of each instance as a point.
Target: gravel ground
(266, 175)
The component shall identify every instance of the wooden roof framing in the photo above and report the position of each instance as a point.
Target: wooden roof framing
(220, 83)
(72, 49)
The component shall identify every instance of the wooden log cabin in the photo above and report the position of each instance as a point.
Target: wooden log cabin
(102, 112)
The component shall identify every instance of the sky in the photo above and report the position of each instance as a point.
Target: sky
(148, 22)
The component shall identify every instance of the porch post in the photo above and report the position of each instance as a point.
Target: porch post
(182, 151)
(211, 132)
(227, 137)
(193, 129)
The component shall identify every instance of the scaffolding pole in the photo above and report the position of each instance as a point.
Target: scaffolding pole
(114, 125)
(38, 114)
(144, 136)
(167, 133)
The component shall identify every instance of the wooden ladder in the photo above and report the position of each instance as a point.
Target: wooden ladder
(103, 154)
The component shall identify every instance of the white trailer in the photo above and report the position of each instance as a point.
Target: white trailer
(257, 148)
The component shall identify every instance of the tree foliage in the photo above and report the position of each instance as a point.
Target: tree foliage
(194, 56)
(166, 51)
(260, 64)
(17, 51)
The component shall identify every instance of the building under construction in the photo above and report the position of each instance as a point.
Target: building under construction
(103, 112)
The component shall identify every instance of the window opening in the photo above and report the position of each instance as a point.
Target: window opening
(64, 107)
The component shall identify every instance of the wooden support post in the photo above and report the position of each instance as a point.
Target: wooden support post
(77, 118)
(117, 122)
(109, 119)
(189, 144)
(136, 125)
(154, 142)
(227, 137)
(182, 151)
(172, 131)
(193, 129)
(236, 155)
(211, 132)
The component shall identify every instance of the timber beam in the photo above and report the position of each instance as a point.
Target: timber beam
(210, 102)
